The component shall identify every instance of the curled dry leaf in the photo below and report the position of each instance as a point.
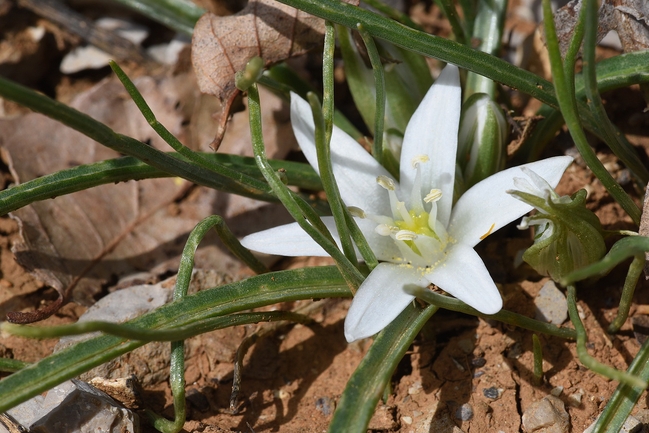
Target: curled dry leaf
(221, 46)
(629, 18)
(125, 226)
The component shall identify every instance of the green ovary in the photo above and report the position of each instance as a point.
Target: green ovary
(418, 225)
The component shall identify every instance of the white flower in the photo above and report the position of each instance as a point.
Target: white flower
(412, 226)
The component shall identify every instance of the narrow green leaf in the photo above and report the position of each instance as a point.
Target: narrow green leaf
(262, 290)
(629, 246)
(365, 387)
(179, 15)
(129, 168)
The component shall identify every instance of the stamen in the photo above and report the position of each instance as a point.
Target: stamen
(356, 212)
(415, 194)
(405, 235)
(419, 159)
(405, 215)
(433, 196)
(386, 182)
(385, 230)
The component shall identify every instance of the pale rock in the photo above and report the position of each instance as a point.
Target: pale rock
(75, 406)
(547, 415)
(551, 304)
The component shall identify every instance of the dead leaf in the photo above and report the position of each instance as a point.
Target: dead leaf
(221, 46)
(80, 242)
(64, 239)
(629, 18)
(632, 24)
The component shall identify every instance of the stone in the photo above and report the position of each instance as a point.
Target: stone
(75, 406)
(326, 405)
(464, 412)
(551, 304)
(547, 415)
(492, 393)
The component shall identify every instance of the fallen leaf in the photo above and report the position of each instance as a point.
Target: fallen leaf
(632, 24)
(80, 243)
(221, 46)
(64, 239)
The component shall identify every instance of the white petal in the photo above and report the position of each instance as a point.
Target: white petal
(287, 240)
(380, 299)
(432, 131)
(355, 170)
(486, 207)
(383, 247)
(464, 275)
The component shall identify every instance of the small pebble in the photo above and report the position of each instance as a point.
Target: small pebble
(406, 420)
(574, 399)
(478, 362)
(464, 412)
(198, 400)
(493, 393)
(477, 374)
(415, 388)
(325, 405)
(551, 304)
(556, 391)
(549, 413)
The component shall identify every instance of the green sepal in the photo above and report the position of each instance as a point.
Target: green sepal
(570, 237)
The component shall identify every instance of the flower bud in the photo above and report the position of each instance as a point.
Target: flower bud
(567, 237)
(482, 139)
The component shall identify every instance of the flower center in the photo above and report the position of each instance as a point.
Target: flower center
(420, 237)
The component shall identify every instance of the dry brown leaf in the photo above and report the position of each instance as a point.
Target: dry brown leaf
(79, 243)
(64, 239)
(629, 18)
(632, 24)
(221, 46)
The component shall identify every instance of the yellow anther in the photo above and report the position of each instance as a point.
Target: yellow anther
(488, 232)
(385, 230)
(405, 235)
(419, 159)
(433, 195)
(356, 211)
(386, 183)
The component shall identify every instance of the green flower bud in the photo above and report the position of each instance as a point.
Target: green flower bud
(567, 235)
(249, 76)
(482, 139)
(407, 78)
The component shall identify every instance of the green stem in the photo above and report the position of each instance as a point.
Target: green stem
(488, 29)
(625, 397)
(379, 83)
(504, 316)
(538, 360)
(568, 108)
(129, 146)
(612, 136)
(351, 274)
(630, 283)
(582, 352)
(323, 121)
(448, 8)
